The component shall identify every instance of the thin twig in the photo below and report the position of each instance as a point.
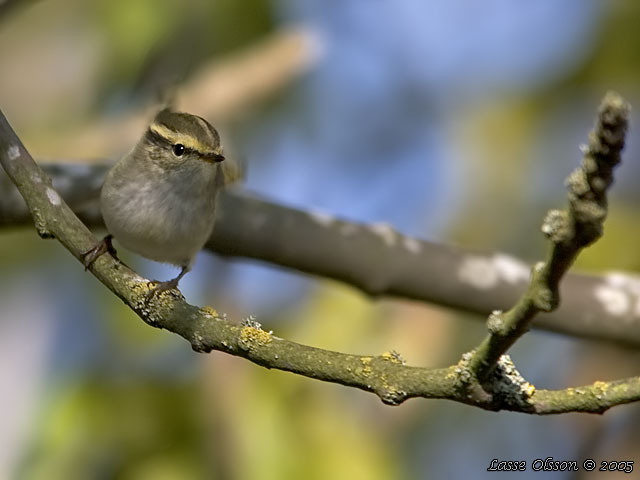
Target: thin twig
(569, 231)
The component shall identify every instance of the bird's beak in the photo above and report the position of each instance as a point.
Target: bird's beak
(213, 157)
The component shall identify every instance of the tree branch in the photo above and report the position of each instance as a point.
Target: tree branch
(386, 375)
(569, 230)
(598, 307)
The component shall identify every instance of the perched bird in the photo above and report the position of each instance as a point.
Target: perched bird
(159, 200)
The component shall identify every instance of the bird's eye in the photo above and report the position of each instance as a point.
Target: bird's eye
(178, 149)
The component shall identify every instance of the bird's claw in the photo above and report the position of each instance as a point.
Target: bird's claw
(166, 285)
(100, 248)
(161, 287)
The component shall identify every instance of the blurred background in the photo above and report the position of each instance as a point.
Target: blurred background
(452, 121)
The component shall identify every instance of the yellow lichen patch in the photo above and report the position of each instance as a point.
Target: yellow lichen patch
(600, 385)
(207, 310)
(140, 288)
(393, 357)
(529, 389)
(601, 389)
(366, 366)
(251, 337)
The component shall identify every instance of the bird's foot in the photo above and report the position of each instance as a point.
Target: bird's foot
(102, 247)
(161, 287)
(167, 285)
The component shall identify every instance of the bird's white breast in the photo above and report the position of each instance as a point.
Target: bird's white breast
(157, 215)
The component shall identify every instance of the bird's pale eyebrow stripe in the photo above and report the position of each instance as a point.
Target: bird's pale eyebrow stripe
(185, 139)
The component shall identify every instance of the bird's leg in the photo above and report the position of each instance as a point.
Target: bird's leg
(102, 247)
(168, 284)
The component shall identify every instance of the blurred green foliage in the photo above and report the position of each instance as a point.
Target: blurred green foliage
(155, 45)
(101, 428)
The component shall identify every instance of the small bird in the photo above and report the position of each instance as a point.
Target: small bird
(159, 200)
